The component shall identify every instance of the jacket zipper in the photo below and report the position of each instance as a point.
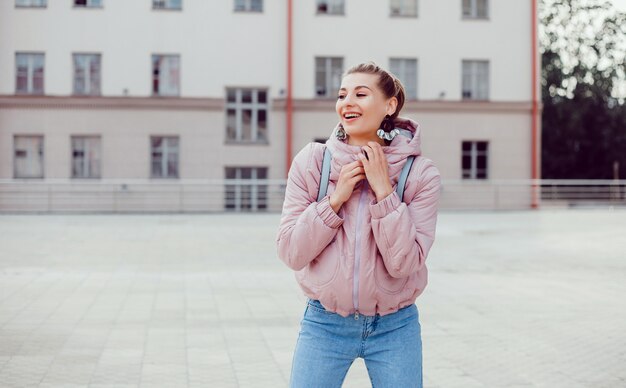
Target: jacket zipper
(357, 249)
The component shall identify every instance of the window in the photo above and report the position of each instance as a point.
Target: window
(327, 76)
(248, 5)
(28, 156)
(88, 3)
(31, 3)
(242, 196)
(29, 73)
(404, 8)
(246, 115)
(164, 156)
(86, 156)
(474, 159)
(165, 75)
(475, 80)
(87, 74)
(475, 9)
(167, 4)
(406, 71)
(330, 7)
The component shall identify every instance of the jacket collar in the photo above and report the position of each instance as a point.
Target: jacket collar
(402, 146)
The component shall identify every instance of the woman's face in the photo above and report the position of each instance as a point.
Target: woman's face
(362, 106)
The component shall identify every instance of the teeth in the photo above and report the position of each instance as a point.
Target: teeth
(351, 115)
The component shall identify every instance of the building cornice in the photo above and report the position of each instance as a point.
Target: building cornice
(327, 104)
(73, 102)
(219, 104)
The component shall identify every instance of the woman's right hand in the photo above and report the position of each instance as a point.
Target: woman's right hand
(350, 175)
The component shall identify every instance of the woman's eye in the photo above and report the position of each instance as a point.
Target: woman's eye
(361, 94)
(340, 97)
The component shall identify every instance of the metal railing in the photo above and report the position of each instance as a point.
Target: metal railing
(197, 196)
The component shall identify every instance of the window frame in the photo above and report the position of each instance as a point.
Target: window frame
(155, 77)
(402, 6)
(40, 152)
(235, 191)
(88, 4)
(44, 5)
(165, 161)
(473, 8)
(473, 171)
(247, 6)
(239, 106)
(474, 80)
(98, 92)
(403, 77)
(329, 6)
(86, 163)
(330, 89)
(166, 5)
(30, 76)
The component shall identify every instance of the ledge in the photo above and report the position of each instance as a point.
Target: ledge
(328, 104)
(93, 102)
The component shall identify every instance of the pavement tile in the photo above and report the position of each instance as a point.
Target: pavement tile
(515, 299)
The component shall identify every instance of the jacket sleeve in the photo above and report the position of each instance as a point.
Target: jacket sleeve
(306, 226)
(405, 233)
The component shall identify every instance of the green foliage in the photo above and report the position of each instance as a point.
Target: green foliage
(583, 46)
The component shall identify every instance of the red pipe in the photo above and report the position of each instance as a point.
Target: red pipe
(535, 109)
(289, 106)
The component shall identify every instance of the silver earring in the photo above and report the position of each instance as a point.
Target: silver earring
(341, 133)
(387, 135)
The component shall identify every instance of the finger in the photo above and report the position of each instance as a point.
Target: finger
(363, 159)
(378, 149)
(370, 153)
(356, 171)
(348, 167)
(354, 180)
(354, 164)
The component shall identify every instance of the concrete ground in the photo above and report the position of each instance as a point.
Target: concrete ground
(515, 299)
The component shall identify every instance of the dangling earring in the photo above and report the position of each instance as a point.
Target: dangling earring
(341, 133)
(387, 129)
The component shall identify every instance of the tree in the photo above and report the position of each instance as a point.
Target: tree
(583, 47)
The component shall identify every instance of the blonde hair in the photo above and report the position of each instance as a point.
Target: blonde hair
(387, 82)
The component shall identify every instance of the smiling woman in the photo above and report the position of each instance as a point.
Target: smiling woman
(359, 251)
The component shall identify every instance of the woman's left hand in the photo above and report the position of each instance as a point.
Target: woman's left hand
(376, 170)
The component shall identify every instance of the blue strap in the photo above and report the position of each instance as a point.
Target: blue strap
(325, 178)
(325, 175)
(403, 175)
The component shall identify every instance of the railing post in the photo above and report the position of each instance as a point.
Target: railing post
(497, 195)
(180, 197)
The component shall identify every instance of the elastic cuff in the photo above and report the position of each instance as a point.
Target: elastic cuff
(386, 206)
(327, 214)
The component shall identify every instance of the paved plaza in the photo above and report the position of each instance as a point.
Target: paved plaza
(515, 299)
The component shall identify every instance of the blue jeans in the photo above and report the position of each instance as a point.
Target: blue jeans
(328, 343)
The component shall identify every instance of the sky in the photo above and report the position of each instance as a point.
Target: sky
(620, 4)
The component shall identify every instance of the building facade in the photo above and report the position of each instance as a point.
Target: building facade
(150, 98)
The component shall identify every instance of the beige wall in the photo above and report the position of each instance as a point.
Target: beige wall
(220, 48)
(125, 134)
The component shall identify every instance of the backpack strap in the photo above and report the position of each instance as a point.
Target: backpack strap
(403, 175)
(325, 175)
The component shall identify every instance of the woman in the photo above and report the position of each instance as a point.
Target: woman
(360, 251)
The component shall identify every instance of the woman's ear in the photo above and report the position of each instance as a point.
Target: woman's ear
(392, 104)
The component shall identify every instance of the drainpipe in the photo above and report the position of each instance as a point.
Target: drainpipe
(535, 109)
(289, 107)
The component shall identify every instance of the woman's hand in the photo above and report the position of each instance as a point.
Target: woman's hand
(349, 176)
(376, 170)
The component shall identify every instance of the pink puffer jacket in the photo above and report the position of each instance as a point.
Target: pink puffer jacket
(371, 257)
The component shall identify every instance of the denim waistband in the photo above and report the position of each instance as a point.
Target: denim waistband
(316, 303)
